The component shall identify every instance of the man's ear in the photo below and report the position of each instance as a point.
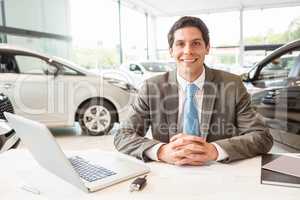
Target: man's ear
(207, 49)
(171, 52)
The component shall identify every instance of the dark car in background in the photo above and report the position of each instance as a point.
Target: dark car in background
(274, 84)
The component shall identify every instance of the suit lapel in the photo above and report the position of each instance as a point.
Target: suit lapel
(209, 95)
(171, 103)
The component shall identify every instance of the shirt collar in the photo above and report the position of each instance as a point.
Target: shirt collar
(199, 81)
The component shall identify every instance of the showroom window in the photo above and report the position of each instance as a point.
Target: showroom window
(220, 36)
(94, 27)
(38, 25)
(269, 30)
(133, 34)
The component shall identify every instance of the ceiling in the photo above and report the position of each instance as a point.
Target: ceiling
(170, 8)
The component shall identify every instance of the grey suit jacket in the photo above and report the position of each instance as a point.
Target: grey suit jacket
(226, 117)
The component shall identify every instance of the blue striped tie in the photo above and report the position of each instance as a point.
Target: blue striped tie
(190, 116)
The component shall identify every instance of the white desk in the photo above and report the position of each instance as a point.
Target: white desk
(238, 180)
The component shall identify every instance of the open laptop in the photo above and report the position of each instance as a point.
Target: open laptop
(109, 168)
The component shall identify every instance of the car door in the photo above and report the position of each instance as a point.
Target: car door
(278, 101)
(71, 89)
(32, 88)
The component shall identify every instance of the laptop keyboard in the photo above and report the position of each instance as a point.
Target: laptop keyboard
(88, 171)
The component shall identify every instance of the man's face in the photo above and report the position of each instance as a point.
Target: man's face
(189, 50)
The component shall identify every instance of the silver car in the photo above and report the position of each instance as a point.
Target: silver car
(136, 72)
(58, 93)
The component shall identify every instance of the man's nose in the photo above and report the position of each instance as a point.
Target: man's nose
(187, 49)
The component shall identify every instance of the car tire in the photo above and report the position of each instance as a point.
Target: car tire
(97, 117)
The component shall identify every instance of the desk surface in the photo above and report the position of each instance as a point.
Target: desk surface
(238, 180)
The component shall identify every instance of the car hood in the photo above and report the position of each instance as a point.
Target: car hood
(151, 74)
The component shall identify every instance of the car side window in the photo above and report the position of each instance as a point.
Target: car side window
(68, 71)
(8, 64)
(34, 65)
(279, 67)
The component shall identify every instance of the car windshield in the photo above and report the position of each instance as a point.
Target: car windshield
(73, 65)
(159, 66)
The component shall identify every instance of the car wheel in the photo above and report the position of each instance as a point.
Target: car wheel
(96, 117)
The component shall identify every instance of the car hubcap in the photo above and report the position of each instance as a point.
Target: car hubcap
(97, 118)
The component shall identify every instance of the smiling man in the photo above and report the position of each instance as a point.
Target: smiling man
(196, 114)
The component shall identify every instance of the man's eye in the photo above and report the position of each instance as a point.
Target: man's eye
(196, 43)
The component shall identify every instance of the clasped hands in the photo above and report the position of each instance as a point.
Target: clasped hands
(186, 149)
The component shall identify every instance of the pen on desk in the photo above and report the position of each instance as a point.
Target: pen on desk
(30, 189)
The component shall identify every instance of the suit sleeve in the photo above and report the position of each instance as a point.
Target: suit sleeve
(253, 136)
(130, 137)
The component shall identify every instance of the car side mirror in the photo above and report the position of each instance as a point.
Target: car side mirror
(51, 72)
(53, 69)
(245, 77)
(139, 72)
(56, 73)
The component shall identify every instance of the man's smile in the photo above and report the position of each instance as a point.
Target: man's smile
(189, 60)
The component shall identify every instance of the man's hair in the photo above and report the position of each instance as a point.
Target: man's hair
(188, 21)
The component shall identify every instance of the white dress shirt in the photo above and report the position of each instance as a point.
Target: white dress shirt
(152, 152)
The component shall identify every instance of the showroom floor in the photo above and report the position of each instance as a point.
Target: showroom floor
(71, 139)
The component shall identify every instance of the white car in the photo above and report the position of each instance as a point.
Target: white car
(58, 93)
(136, 72)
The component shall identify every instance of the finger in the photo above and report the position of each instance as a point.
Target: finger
(187, 161)
(184, 141)
(196, 163)
(179, 154)
(188, 137)
(194, 148)
(197, 157)
(175, 137)
(184, 161)
(180, 142)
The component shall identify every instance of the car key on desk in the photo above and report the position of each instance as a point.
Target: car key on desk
(138, 184)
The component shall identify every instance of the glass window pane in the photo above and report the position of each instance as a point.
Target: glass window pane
(281, 66)
(69, 71)
(94, 27)
(276, 25)
(133, 34)
(33, 65)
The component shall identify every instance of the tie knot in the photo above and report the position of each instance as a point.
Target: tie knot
(191, 89)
